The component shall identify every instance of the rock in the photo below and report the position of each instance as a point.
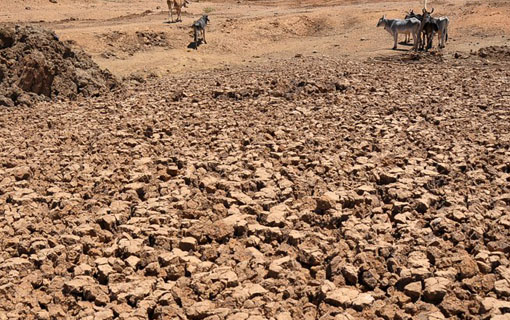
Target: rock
(284, 316)
(277, 215)
(133, 261)
(241, 197)
(108, 222)
(326, 202)
(492, 304)
(200, 310)
(130, 247)
(343, 297)
(83, 269)
(502, 287)
(413, 290)
(467, 267)
(255, 290)
(387, 178)
(435, 289)
(351, 274)
(16, 263)
(103, 272)
(362, 301)
(104, 314)
(22, 173)
(7, 36)
(77, 285)
(188, 244)
(166, 258)
(369, 278)
(310, 256)
(452, 306)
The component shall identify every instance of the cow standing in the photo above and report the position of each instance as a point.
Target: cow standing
(177, 4)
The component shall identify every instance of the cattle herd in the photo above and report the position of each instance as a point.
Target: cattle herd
(422, 27)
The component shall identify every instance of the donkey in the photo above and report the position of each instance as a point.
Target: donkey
(396, 26)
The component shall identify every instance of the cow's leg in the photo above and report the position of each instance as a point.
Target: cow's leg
(395, 40)
(415, 40)
(195, 37)
(171, 10)
(203, 35)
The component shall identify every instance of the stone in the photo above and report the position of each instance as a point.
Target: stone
(77, 285)
(502, 287)
(413, 290)
(255, 290)
(200, 310)
(362, 301)
(350, 273)
(22, 173)
(435, 289)
(108, 222)
(489, 304)
(327, 201)
(133, 261)
(188, 244)
(342, 297)
(284, 316)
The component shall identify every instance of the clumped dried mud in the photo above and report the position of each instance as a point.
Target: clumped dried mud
(309, 189)
(122, 44)
(36, 66)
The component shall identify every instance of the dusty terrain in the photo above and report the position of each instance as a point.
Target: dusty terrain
(131, 35)
(292, 168)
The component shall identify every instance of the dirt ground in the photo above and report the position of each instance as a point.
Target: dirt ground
(294, 167)
(247, 32)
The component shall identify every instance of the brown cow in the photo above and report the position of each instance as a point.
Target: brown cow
(177, 4)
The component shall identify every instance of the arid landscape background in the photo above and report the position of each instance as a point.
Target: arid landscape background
(294, 167)
(124, 36)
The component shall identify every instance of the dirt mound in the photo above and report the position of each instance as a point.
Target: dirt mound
(35, 66)
(123, 43)
(280, 28)
(495, 52)
(302, 26)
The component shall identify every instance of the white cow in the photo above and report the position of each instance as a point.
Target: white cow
(396, 26)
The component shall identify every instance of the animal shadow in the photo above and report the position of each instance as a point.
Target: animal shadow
(194, 45)
(172, 22)
(399, 49)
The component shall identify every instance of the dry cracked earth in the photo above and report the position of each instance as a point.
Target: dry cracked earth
(310, 188)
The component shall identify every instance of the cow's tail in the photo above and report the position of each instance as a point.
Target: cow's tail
(446, 37)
